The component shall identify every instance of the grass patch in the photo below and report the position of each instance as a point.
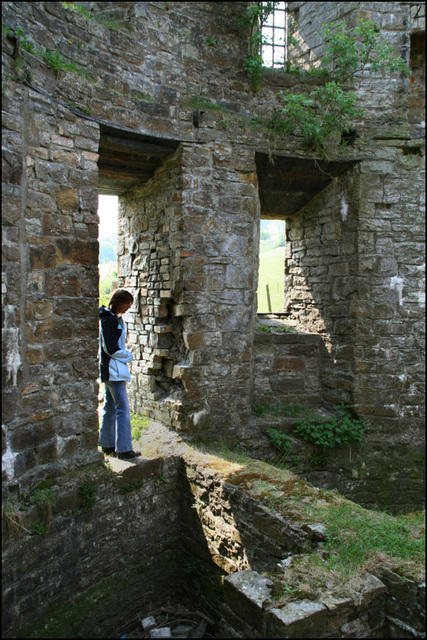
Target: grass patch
(12, 520)
(138, 425)
(271, 272)
(277, 328)
(45, 501)
(203, 104)
(221, 450)
(357, 535)
(357, 540)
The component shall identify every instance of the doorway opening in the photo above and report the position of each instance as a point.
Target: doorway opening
(108, 222)
(270, 293)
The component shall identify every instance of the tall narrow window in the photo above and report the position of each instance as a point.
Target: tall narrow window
(108, 212)
(274, 37)
(271, 267)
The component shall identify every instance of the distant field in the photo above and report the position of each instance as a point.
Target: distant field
(270, 272)
(271, 268)
(107, 274)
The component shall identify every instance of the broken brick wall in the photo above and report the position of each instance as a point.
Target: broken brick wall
(177, 70)
(188, 250)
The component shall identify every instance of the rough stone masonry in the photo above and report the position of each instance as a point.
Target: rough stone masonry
(150, 100)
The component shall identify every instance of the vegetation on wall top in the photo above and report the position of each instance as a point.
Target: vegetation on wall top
(254, 17)
(329, 111)
(114, 23)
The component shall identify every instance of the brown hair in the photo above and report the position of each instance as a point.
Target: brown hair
(118, 297)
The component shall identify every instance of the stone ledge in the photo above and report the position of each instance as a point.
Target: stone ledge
(133, 471)
(246, 592)
(248, 602)
(299, 619)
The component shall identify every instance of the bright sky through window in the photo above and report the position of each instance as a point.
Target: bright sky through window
(274, 35)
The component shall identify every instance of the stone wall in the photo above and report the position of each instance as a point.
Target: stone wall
(194, 280)
(287, 368)
(320, 281)
(404, 605)
(50, 286)
(240, 532)
(354, 253)
(109, 552)
(246, 541)
(248, 612)
(387, 606)
(352, 261)
(150, 256)
(125, 539)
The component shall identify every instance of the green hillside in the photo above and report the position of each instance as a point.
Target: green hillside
(271, 269)
(271, 272)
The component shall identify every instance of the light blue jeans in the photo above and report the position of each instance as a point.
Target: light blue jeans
(115, 429)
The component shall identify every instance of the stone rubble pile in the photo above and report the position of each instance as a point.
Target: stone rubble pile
(168, 622)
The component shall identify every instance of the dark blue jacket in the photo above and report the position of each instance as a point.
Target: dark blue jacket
(113, 355)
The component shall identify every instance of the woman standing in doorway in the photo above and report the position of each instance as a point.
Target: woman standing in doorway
(115, 433)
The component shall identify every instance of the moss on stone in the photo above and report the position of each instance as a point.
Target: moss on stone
(101, 606)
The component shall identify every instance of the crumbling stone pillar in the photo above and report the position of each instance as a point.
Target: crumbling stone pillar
(221, 227)
(189, 251)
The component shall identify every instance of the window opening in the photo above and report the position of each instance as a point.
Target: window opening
(274, 36)
(108, 207)
(271, 267)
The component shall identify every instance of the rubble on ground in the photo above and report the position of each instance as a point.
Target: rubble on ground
(168, 622)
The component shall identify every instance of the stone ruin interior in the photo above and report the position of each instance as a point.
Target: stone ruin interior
(150, 101)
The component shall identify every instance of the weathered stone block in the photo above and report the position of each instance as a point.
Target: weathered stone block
(33, 435)
(67, 199)
(47, 452)
(193, 340)
(247, 593)
(286, 384)
(373, 590)
(299, 619)
(11, 168)
(163, 328)
(70, 251)
(288, 364)
(43, 257)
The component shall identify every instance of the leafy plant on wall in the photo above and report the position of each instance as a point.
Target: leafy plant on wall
(330, 109)
(341, 429)
(254, 17)
(327, 112)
